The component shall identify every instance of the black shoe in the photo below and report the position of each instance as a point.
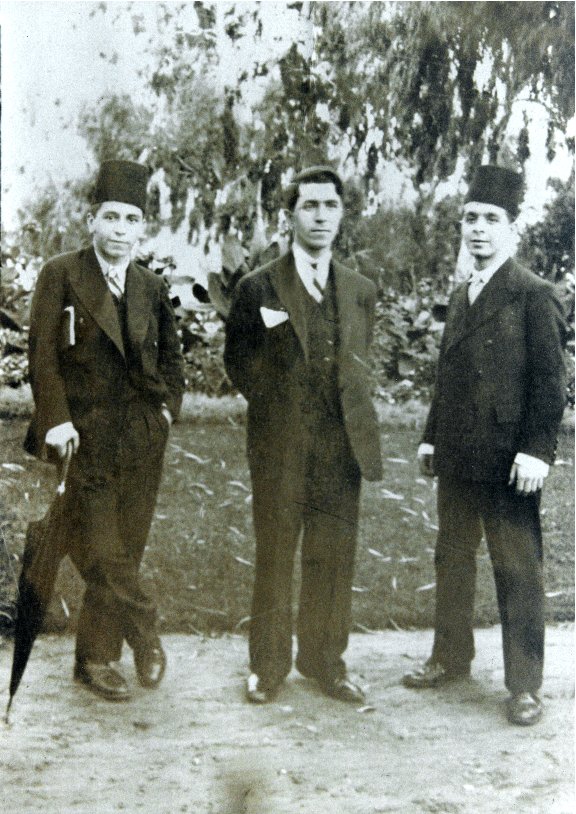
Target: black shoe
(150, 666)
(524, 709)
(433, 674)
(257, 692)
(343, 690)
(102, 679)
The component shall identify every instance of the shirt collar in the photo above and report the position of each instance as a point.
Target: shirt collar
(304, 263)
(486, 273)
(117, 270)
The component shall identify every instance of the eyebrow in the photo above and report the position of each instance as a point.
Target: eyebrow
(319, 200)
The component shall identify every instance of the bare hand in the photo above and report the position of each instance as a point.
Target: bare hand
(528, 479)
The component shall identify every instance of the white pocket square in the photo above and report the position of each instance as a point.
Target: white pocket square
(271, 318)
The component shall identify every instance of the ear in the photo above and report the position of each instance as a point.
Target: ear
(90, 222)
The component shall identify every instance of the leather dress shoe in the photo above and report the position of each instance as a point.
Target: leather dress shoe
(257, 692)
(343, 690)
(102, 679)
(433, 674)
(150, 666)
(524, 709)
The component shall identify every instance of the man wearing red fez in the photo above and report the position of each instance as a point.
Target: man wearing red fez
(107, 377)
(491, 437)
(297, 340)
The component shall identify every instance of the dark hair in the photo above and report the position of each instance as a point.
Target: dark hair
(311, 175)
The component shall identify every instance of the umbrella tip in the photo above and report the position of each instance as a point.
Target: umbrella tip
(7, 713)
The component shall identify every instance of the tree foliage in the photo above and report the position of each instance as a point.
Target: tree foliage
(427, 88)
(420, 85)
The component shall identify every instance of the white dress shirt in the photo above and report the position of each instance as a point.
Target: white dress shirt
(115, 275)
(480, 277)
(313, 271)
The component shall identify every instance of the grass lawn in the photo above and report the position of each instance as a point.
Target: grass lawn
(199, 561)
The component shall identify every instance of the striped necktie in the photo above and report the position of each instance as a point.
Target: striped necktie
(475, 286)
(114, 283)
(317, 287)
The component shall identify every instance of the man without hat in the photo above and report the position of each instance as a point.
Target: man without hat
(297, 340)
(107, 377)
(490, 437)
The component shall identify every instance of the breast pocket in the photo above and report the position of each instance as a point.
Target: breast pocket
(79, 335)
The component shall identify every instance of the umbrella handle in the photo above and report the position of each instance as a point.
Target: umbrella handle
(65, 465)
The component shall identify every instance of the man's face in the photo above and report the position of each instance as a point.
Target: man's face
(116, 228)
(316, 216)
(486, 230)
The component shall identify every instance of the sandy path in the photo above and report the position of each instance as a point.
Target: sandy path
(195, 746)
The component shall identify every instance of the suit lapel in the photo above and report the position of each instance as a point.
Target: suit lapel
(90, 286)
(137, 304)
(287, 286)
(496, 294)
(346, 306)
(457, 314)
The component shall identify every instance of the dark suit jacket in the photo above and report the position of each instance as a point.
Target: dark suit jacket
(500, 386)
(264, 362)
(81, 381)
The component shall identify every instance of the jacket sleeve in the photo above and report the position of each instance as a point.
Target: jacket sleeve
(170, 359)
(245, 334)
(370, 314)
(46, 319)
(429, 435)
(546, 385)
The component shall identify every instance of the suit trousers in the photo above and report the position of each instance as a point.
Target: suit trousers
(511, 523)
(312, 495)
(114, 511)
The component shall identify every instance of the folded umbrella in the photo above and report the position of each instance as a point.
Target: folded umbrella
(45, 548)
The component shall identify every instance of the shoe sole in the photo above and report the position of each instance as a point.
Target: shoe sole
(101, 693)
(150, 685)
(414, 684)
(523, 721)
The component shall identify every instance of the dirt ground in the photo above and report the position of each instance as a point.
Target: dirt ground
(194, 745)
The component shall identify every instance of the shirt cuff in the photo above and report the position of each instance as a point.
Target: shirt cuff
(426, 449)
(168, 415)
(523, 459)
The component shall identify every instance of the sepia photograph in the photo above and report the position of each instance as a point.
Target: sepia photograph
(287, 407)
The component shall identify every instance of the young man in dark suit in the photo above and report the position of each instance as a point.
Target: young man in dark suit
(107, 377)
(491, 437)
(297, 341)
